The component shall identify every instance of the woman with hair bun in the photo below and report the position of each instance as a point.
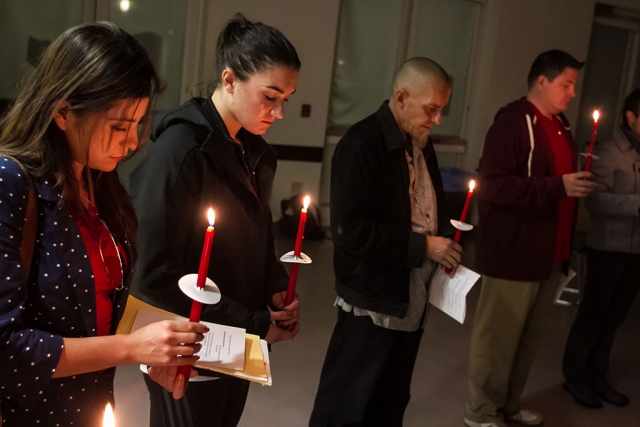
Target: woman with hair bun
(67, 232)
(209, 153)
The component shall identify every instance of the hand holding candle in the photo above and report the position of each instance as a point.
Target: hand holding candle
(196, 306)
(596, 116)
(293, 275)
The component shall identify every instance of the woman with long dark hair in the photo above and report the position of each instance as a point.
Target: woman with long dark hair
(209, 153)
(83, 108)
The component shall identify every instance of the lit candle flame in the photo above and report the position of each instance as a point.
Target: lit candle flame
(596, 116)
(472, 185)
(211, 215)
(109, 420)
(307, 200)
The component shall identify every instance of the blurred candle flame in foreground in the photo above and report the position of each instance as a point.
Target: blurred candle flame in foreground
(109, 420)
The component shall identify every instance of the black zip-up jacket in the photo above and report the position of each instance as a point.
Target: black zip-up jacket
(192, 165)
(374, 247)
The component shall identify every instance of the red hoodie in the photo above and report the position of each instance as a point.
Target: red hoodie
(518, 192)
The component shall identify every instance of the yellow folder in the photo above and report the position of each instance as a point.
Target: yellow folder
(256, 360)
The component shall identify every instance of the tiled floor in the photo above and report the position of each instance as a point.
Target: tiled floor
(439, 380)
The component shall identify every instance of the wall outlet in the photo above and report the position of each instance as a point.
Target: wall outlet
(305, 110)
(296, 187)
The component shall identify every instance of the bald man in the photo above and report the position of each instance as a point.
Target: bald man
(386, 195)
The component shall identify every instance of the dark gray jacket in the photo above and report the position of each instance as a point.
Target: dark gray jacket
(615, 221)
(193, 165)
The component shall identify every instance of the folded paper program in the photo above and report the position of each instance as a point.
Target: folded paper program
(449, 294)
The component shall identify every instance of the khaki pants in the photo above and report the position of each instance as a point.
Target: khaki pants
(507, 333)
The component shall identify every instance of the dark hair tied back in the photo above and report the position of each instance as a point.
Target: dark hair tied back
(247, 48)
(631, 103)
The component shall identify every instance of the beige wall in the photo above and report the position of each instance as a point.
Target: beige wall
(513, 33)
(311, 26)
(19, 20)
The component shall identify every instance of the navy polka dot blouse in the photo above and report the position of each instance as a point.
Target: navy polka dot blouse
(56, 300)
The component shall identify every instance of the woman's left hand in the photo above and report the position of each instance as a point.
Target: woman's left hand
(292, 310)
(167, 377)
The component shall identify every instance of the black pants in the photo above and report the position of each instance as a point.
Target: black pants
(366, 376)
(612, 283)
(217, 403)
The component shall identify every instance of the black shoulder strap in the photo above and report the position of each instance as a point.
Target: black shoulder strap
(29, 232)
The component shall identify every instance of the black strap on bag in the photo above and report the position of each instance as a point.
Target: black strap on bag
(31, 223)
(29, 232)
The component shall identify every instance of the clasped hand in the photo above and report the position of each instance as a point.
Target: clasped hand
(578, 184)
(444, 251)
(162, 346)
(285, 322)
(160, 343)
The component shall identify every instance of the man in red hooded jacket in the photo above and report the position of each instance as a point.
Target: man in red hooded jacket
(527, 207)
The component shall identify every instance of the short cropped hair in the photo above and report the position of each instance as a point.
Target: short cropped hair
(551, 64)
(631, 103)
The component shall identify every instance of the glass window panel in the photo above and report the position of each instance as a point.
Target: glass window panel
(445, 30)
(603, 73)
(27, 28)
(160, 26)
(366, 57)
(636, 80)
(366, 51)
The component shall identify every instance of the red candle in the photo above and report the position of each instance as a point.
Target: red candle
(293, 275)
(592, 141)
(463, 216)
(303, 219)
(196, 306)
